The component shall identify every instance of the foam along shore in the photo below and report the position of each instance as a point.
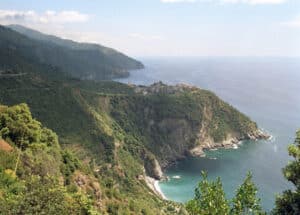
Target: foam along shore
(230, 143)
(153, 184)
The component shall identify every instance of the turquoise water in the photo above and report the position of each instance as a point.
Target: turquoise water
(266, 89)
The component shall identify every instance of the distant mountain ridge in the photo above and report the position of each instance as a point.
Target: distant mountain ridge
(81, 60)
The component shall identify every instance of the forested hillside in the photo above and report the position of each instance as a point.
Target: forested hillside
(85, 61)
(37, 176)
(111, 136)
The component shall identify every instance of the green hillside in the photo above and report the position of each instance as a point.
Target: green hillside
(98, 114)
(37, 176)
(104, 54)
(111, 136)
(106, 126)
(85, 61)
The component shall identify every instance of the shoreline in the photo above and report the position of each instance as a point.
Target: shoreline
(229, 143)
(153, 184)
(158, 189)
(199, 151)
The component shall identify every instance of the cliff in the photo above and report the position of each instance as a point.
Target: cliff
(177, 121)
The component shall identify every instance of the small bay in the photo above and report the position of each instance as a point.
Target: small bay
(265, 89)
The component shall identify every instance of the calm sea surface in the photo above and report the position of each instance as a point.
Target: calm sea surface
(266, 89)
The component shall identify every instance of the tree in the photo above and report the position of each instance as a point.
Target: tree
(245, 200)
(209, 198)
(289, 201)
(17, 125)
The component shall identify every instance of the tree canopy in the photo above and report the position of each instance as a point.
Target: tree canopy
(289, 201)
(210, 199)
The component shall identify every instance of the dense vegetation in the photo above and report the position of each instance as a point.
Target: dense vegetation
(82, 113)
(34, 170)
(176, 119)
(110, 135)
(37, 176)
(85, 61)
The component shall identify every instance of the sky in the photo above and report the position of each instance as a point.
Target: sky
(167, 27)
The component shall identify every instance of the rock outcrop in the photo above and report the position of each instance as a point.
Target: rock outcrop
(230, 142)
(183, 120)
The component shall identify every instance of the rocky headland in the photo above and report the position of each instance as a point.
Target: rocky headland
(200, 121)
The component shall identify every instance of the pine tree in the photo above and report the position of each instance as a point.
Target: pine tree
(209, 198)
(289, 201)
(245, 200)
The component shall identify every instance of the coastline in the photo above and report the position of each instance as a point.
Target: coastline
(199, 151)
(231, 142)
(158, 189)
(153, 184)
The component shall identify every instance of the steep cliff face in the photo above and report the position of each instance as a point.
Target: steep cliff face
(175, 121)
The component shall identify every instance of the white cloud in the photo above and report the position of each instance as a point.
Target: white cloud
(47, 17)
(294, 23)
(251, 2)
(57, 23)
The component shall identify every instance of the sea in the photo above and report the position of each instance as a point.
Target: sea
(267, 89)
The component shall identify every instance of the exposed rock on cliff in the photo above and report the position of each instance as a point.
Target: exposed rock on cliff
(181, 120)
